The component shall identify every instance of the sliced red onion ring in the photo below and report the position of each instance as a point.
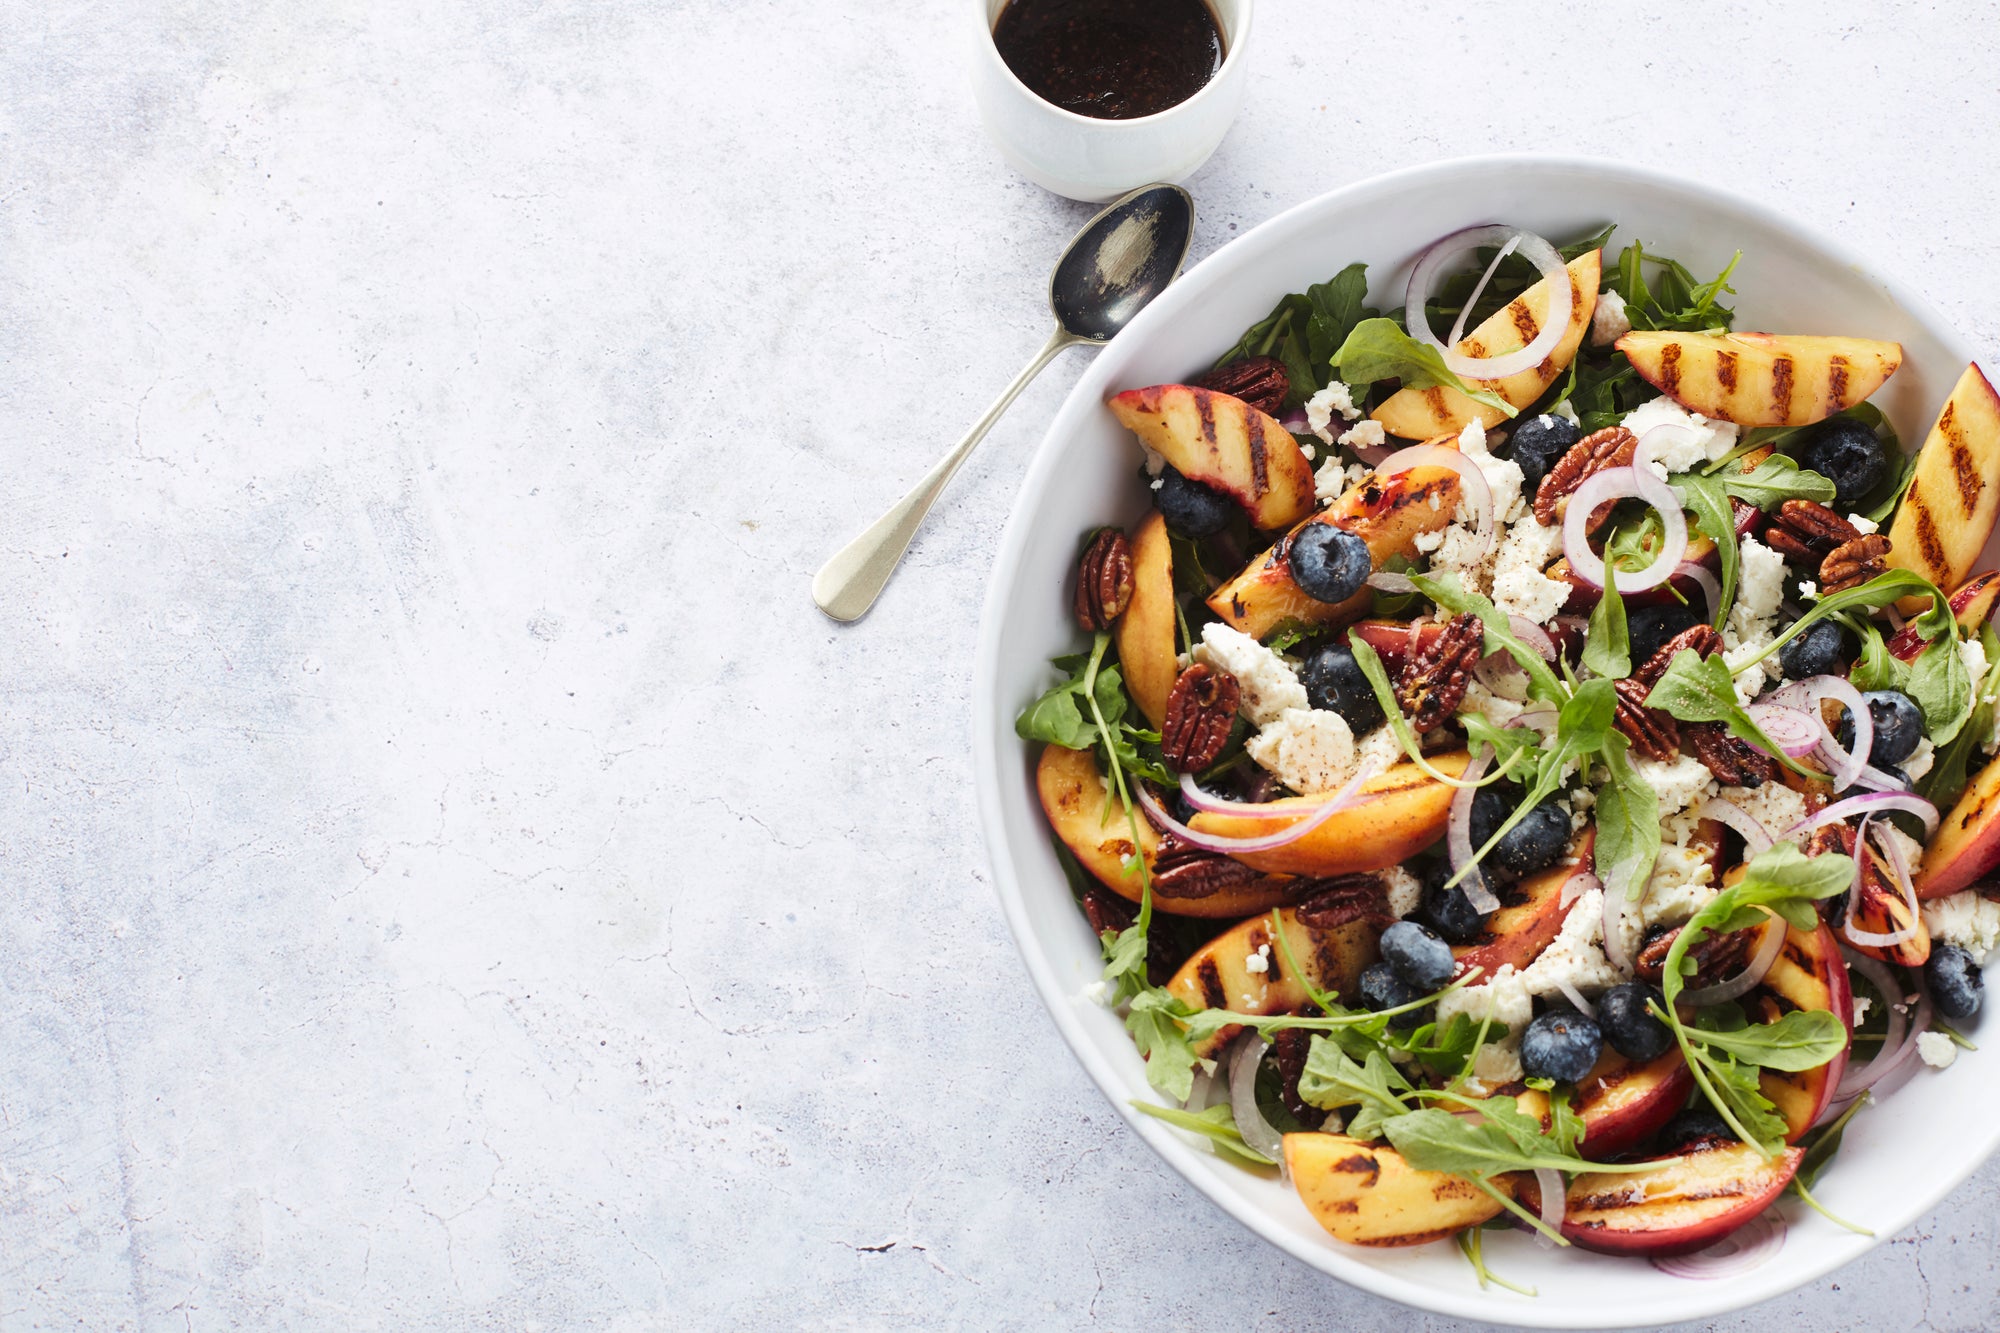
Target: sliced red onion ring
(1624, 483)
(1295, 422)
(1555, 1203)
(1458, 834)
(1791, 729)
(1555, 321)
(1477, 496)
(1250, 1122)
(1870, 803)
(1528, 632)
(1874, 779)
(1576, 886)
(1899, 1042)
(1756, 838)
(1388, 580)
(1575, 997)
(1192, 793)
(1500, 673)
(1268, 842)
(1750, 1246)
(1199, 1090)
(1877, 939)
(1663, 434)
(1846, 767)
(1753, 972)
(1707, 582)
(1619, 904)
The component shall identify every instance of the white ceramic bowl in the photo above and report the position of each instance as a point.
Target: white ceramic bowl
(1083, 157)
(1898, 1160)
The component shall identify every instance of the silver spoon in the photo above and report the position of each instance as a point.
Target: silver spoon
(1123, 258)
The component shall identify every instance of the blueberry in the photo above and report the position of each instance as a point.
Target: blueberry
(1190, 508)
(1448, 911)
(1329, 564)
(1334, 682)
(1541, 836)
(1538, 444)
(1418, 955)
(1561, 1044)
(1845, 452)
(1632, 1031)
(1695, 1128)
(1382, 988)
(1954, 981)
(1817, 652)
(1899, 725)
(1649, 627)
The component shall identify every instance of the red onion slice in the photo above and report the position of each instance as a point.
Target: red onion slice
(1624, 483)
(1750, 1246)
(1555, 321)
(1874, 779)
(1199, 1090)
(1619, 904)
(1870, 803)
(1791, 729)
(1458, 834)
(1192, 793)
(1899, 1042)
(1555, 1203)
(1295, 422)
(1479, 288)
(1476, 494)
(1575, 997)
(1877, 939)
(1577, 885)
(1710, 586)
(1846, 766)
(1756, 838)
(1268, 842)
(1388, 580)
(1753, 972)
(1250, 1122)
(1528, 632)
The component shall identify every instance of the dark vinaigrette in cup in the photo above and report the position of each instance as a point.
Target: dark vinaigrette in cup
(1112, 59)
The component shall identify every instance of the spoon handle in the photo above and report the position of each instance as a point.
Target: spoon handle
(848, 584)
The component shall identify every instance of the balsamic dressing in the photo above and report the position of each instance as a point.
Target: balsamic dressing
(1111, 59)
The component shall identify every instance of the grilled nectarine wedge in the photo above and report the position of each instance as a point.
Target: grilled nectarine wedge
(1761, 379)
(1332, 953)
(1367, 1195)
(1531, 913)
(1222, 441)
(1692, 1201)
(1148, 657)
(1400, 812)
(1967, 843)
(1947, 514)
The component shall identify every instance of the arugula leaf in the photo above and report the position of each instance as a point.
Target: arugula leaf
(1055, 718)
(1680, 303)
(1566, 1127)
(1376, 349)
(1708, 498)
(1450, 594)
(1876, 668)
(1371, 666)
(1607, 646)
(1777, 479)
(1284, 334)
(1333, 1079)
(1700, 689)
(1950, 770)
(1289, 633)
(1154, 1022)
(1217, 1124)
(1505, 1138)
(1472, 1244)
(1890, 586)
(1802, 1039)
(1942, 688)
(1338, 304)
(1822, 1144)
(1510, 744)
(1628, 825)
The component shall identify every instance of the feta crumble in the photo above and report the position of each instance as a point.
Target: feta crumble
(1696, 439)
(1566, 412)
(1576, 955)
(1774, 805)
(1268, 685)
(1936, 1050)
(1259, 962)
(1682, 883)
(1310, 750)
(1965, 919)
(1920, 760)
(1503, 475)
(1335, 397)
(1808, 590)
(1365, 435)
(1608, 323)
(1520, 588)
(1974, 653)
(1861, 1006)
(1678, 782)
(1404, 890)
(1760, 588)
(1863, 524)
(1503, 1000)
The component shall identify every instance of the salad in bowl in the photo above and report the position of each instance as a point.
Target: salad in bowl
(1536, 775)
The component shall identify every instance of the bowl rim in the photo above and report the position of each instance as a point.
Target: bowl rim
(1705, 1300)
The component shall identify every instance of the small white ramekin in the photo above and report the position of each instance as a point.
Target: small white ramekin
(1082, 157)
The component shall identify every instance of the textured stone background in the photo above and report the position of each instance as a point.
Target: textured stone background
(453, 877)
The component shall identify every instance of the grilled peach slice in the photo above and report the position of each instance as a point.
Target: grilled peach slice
(1332, 946)
(1223, 442)
(1967, 843)
(1761, 379)
(1809, 974)
(1877, 907)
(1531, 913)
(1971, 605)
(1419, 413)
(1147, 655)
(1621, 1103)
(1945, 517)
(1368, 1195)
(1401, 811)
(1692, 1201)
(1388, 515)
(1074, 799)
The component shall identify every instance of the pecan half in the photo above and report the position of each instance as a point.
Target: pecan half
(1260, 381)
(1343, 900)
(1716, 956)
(1200, 711)
(1608, 448)
(1437, 675)
(1181, 871)
(1104, 580)
(1806, 531)
(1290, 1047)
(1654, 734)
(1732, 761)
(1852, 564)
(1702, 638)
(1106, 911)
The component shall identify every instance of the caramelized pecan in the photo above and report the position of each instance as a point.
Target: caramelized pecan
(1806, 532)
(1260, 381)
(1343, 900)
(1200, 711)
(1654, 734)
(1434, 680)
(1732, 761)
(1106, 911)
(1103, 580)
(1702, 638)
(1717, 957)
(1852, 564)
(1608, 448)
(1181, 871)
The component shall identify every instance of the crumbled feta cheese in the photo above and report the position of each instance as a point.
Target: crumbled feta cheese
(1566, 412)
(1679, 782)
(1267, 684)
(1921, 758)
(1974, 653)
(1365, 435)
(1404, 890)
(1519, 586)
(1259, 962)
(1682, 883)
(1808, 590)
(1157, 482)
(1575, 957)
(1309, 749)
(1458, 553)
(1861, 1006)
(1863, 524)
(1608, 323)
(1156, 462)
(1310, 451)
(1098, 992)
(1503, 475)
(1320, 408)
(1495, 708)
(1965, 919)
(1427, 542)
(1502, 1000)
(1737, 650)
(1696, 439)
(1774, 805)
(1760, 587)
(1912, 850)
(1378, 749)
(1936, 1050)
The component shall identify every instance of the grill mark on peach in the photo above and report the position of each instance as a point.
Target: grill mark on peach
(1928, 543)
(1259, 465)
(1434, 399)
(1670, 368)
(1524, 319)
(1836, 382)
(1209, 977)
(1725, 372)
(1970, 484)
(1782, 371)
(1360, 1164)
(1204, 408)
